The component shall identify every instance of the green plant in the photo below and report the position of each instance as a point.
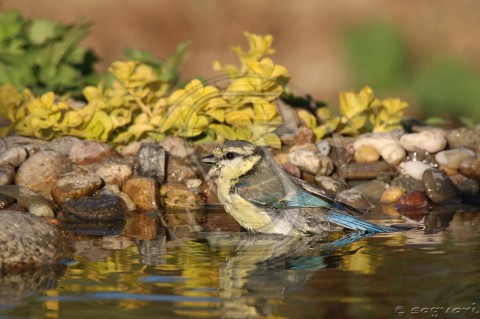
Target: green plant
(359, 113)
(43, 55)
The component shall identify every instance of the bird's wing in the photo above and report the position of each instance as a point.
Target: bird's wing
(307, 195)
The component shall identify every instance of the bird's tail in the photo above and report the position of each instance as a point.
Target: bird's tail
(356, 224)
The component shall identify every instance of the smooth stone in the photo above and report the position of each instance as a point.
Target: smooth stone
(361, 171)
(414, 169)
(292, 169)
(142, 227)
(63, 144)
(90, 152)
(431, 141)
(355, 199)
(469, 186)
(391, 195)
(464, 137)
(407, 184)
(35, 203)
(453, 158)
(193, 183)
(143, 191)
(415, 200)
(311, 162)
(176, 146)
(330, 185)
(112, 189)
(14, 156)
(324, 147)
(7, 174)
(40, 172)
(114, 173)
(439, 188)
(366, 154)
(471, 168)
(17, 140)
(28, 242)
(208, 192)
(96, 208)
(131, 150)
(305, 146)
(5, 200)
(150, 161)
(373, 190)
(179, 173)
(386, 144)
(75, 184)
(177, 196)
(3, 145)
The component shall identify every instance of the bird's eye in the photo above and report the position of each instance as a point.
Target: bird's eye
(230, 155)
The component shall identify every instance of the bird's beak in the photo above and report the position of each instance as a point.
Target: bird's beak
(210, 159)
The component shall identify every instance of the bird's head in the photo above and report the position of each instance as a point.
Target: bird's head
(234, 159)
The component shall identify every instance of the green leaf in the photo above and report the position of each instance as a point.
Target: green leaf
(10, 25)
(41, 31)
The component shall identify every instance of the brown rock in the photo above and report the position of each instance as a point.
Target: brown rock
(366, 154)
(355, 198)
(142, 227)
(7, 174)
(143, 191)
(96, 208)
(413, 201)
(89, 152)
(40, 172)
(471, 168)
(359, 171)
(179, 173)
(179, 197)
(75, 184)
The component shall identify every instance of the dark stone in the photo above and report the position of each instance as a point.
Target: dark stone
(98, 208)
(329, 185)
(439, 188)
(471, 168)
(355, 199)
(150, 161)
(408, 184)
(5, 200)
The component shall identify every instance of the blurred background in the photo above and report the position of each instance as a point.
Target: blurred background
(424, 52)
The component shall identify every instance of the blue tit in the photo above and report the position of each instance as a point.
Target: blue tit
(264, 198)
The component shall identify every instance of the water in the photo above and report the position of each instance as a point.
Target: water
(142, 270)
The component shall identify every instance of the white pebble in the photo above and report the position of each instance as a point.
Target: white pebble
(324, 147)
(453, 158)
(386, 145)
(393, 154)
(431, 141)
(415, 169)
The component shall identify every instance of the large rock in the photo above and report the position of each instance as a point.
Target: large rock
(35, 203)
(28, 241)
(150, 161)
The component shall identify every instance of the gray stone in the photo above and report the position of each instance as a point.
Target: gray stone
(311, 162)
(5, 200)
(35, 203)
(179, 173)
(439, 188)
(7, 174)
(361, 171)
(329, 185)
(471, 168)
(97, 208)
(176, 146)
(407, 184)
(469, 186)
(41, 171)
(90, 152)
(14, 156)
(114, 173)
(355, 198)
(28, 241)
(463, 137)
(3, 145)
(373, 190)
(63, 144)
(150, 162)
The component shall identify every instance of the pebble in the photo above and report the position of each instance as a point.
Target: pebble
(463, 137)
(75, 184)
(150, 161)
(114, 173)
(28, 242)
(3, 145)
(407, 184)
(391, 195)
(176, 146)
(413, 201)
(179, 173)
(471, 168)
(63, 145)
(469, 186)
(330, 185)
(14, 156)
(35, 203)
(208, 192)
(96, 208)
(143, 191)
(361, 171)
(386, 144)
(431, 141)
(452, 159)
(90, 152)
(193, 183)
(324, 147)
(177, 196)
(292, 169)
(355, 198)
(40, 172)
(439, 188)
(7, 174)
(306, 146)
(373, 189)
(131, 150)
(366, 154)
(414, 169)
(311, 162)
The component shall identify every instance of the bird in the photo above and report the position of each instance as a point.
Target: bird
(263, 198)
